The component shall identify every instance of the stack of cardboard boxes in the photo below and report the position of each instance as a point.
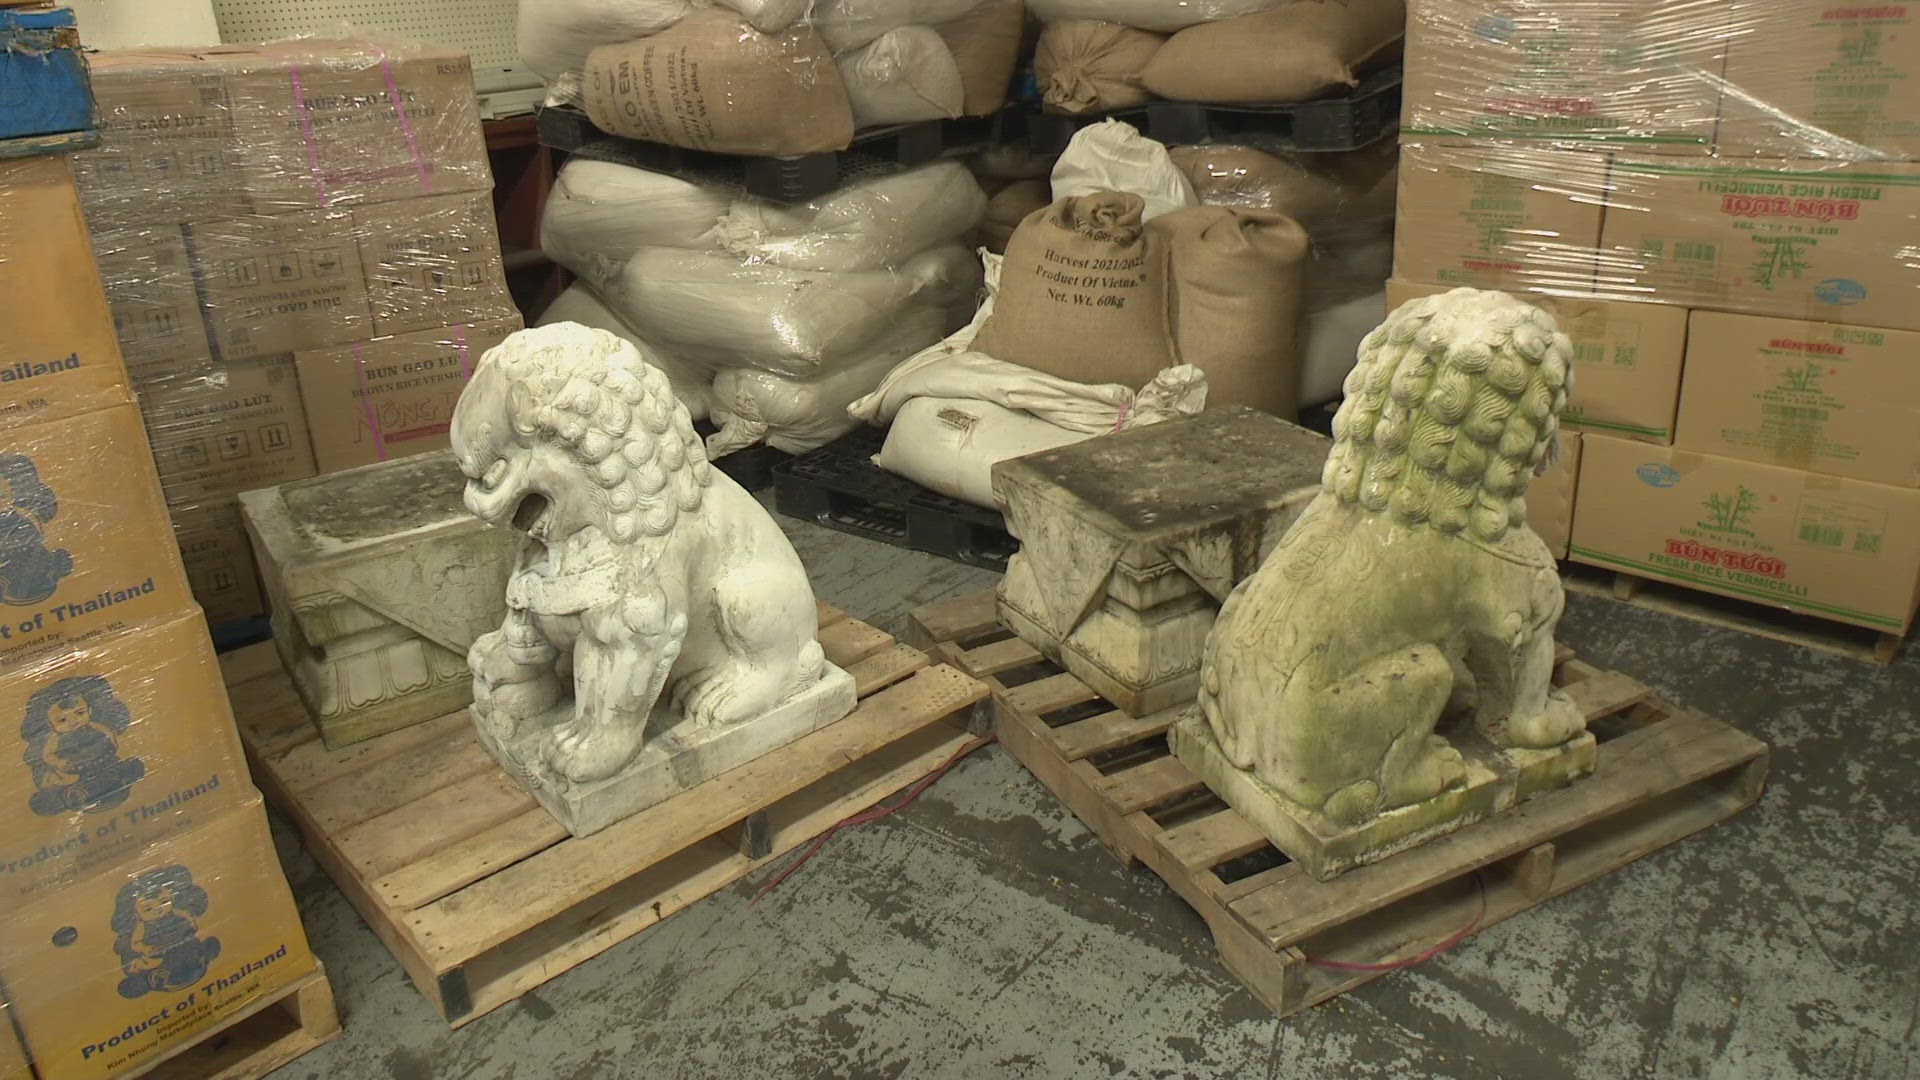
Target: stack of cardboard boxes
(299, 250)
(1720, 200)
(144, 899)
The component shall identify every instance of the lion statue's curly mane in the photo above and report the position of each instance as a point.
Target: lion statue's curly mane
(594, 395)
(1450, 410)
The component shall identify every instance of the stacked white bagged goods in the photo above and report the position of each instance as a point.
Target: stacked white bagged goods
(771, 77)
(780, 314)
(1096, 55)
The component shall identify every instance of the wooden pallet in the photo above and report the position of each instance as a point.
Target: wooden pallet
(1664, 774)
(252, 1043)
(483, 896)
(1729, 613)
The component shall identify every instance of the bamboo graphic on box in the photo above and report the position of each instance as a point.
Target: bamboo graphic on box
(1862, 49)
(1730, 513)
(1780, 257)
(1804, 378)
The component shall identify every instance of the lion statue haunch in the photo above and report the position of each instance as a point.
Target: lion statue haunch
(642, 572)
(1330, 666)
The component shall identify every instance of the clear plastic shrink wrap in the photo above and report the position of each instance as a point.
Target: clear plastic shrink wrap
(782, 313)
(1720, 202)
(771, 77)
(145, 902)
(299, 251)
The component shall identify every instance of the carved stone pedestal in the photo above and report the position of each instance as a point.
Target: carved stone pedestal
(1496, 780)
(380, 581)
(676, 757)
(1129, 542)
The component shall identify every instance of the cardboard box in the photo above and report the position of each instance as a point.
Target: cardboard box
(280, 283)
(219, 559)
(1496, 215)
(1617, 72)
(84, 551)
(1550, 498)
(58, 356)
(112, 971)
(391, 396)
(1816, 75)
(432, 262)
(1841, 549)
(1832, 399)
(198, 134)
(1627, 358)
(1794, 239)
(240, 428)
(119, 744)
(156, 309)
(13, 1056)
(166, 146)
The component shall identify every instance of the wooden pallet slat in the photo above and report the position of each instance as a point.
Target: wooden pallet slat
(482, 895)
(1664, 774)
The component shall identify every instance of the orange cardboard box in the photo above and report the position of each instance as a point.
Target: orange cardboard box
(1498, 215)
(115, 969)
(1842, 549)
(58, 354)
(390, 397)
(1816, 396)
(1816, 74)
(84, 539)
(219, 560)
(1550, 498)
(432, 262)
(1627, 357)
(119, 744)
(1788, 238)
(239, 427)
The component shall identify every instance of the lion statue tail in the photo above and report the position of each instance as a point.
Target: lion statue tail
(812, 664)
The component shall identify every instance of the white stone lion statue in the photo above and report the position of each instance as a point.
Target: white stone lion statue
(1329, 667)
(642, 571)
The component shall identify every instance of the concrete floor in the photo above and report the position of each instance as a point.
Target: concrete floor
(983, 933)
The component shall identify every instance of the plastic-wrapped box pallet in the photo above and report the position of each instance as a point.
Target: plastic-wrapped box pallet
(298, 247)
(771, 77)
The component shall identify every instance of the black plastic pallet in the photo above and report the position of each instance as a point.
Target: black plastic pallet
(1358, 118)
(781, 179)
(840, 487)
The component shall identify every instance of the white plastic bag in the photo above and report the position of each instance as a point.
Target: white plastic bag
(848, 24)
(902, 76)
(797, 415)
(1165, 16)
(866, 226)
(950, 444)
(556, 35)
(1332, 344)
(691, 382)
(1112, 156)
(599, 214)
(720, 310)
(766, 16)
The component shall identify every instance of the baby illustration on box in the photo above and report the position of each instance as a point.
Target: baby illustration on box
(71, 730)
(29, 572)
(156, 920)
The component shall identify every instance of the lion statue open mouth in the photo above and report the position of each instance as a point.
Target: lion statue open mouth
(644, 574)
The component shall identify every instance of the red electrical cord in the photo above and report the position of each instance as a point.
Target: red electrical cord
(1450, 942)
(874, 814)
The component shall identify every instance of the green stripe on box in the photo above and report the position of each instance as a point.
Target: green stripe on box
(1607, 425)
(1559, 136)
(1777, 601)
(1829, 175)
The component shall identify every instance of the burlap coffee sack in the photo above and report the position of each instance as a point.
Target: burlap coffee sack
(1085, 65)
(1083, 293)
(1287, 54)
(986, 48)
(1234, 301)
(712, 82)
